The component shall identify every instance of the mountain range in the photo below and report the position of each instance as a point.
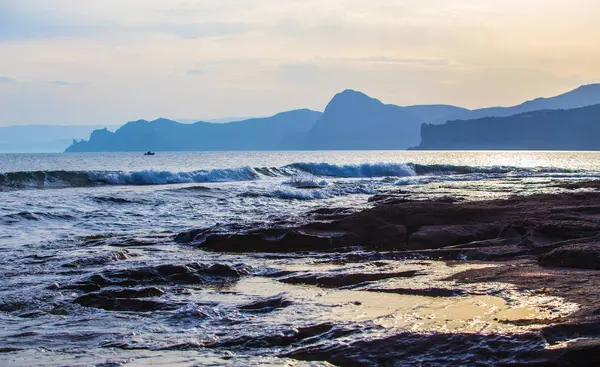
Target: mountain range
(268, 133)
(351, 121)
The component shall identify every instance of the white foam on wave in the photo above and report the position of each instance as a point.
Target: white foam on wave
(302, 175)
(151, 177)
(317, 194)
(357, 170)
(306, 180)
(422, 180)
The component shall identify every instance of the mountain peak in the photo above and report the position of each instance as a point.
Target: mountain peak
(350, 99)
(351, 93)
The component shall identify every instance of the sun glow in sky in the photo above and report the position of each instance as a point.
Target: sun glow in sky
(109, 61)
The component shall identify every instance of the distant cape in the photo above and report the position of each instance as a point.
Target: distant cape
(574, 129)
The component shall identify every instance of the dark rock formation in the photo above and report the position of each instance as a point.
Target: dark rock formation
(100, 260)
(190, 274)
(300, 335)
(425, 292)
(267, 304)
(583, 256)
(330, 280)
(492, 229)
(422, 349)
(125, 300)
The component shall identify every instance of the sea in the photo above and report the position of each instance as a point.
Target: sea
(67, 217)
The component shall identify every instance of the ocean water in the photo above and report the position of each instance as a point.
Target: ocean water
(67, 217)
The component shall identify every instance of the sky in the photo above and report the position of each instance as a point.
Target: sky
(111, 61)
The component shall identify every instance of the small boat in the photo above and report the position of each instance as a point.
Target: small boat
(149, 153)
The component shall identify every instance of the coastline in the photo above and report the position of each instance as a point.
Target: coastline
(544, 244)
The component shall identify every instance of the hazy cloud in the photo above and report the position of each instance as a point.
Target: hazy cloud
(63, 83)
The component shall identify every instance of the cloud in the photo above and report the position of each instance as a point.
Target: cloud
(63, 83)
(199, 29)
(36, 23)
(194, 72)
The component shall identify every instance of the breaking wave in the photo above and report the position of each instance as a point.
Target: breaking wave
(370, 170)
(150, 177)
(357, 170)
(64, 179)
(313, 194)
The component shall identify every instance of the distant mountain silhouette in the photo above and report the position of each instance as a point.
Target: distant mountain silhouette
(166, 135)
(574, 129)
(586, 95)
(41, 138)
(353, 120)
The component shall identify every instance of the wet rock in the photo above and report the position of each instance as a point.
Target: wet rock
(530, 223)
(388, 199)
(223, 271)
(190, 236)
(430, 237)
(111, 301)
(190, 274)
(579, 353)
(123, 241)
(169, 269)
(267, 304)
(447, 199)
(100, 260)
(426, 292)
(284, 338)
(584, 184)
(274, 240)
(330, 280)
(132, 293)
(422, 349)
(330, 213)
(275, 273)
(582, 256)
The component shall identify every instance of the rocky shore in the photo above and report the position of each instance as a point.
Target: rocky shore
(546, 244)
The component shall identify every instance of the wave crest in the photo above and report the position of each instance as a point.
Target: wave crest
(151, 177)
(366, 170)
(63, 179)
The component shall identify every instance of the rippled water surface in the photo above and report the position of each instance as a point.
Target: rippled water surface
(67, 218)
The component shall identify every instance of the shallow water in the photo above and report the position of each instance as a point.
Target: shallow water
(120, 211)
